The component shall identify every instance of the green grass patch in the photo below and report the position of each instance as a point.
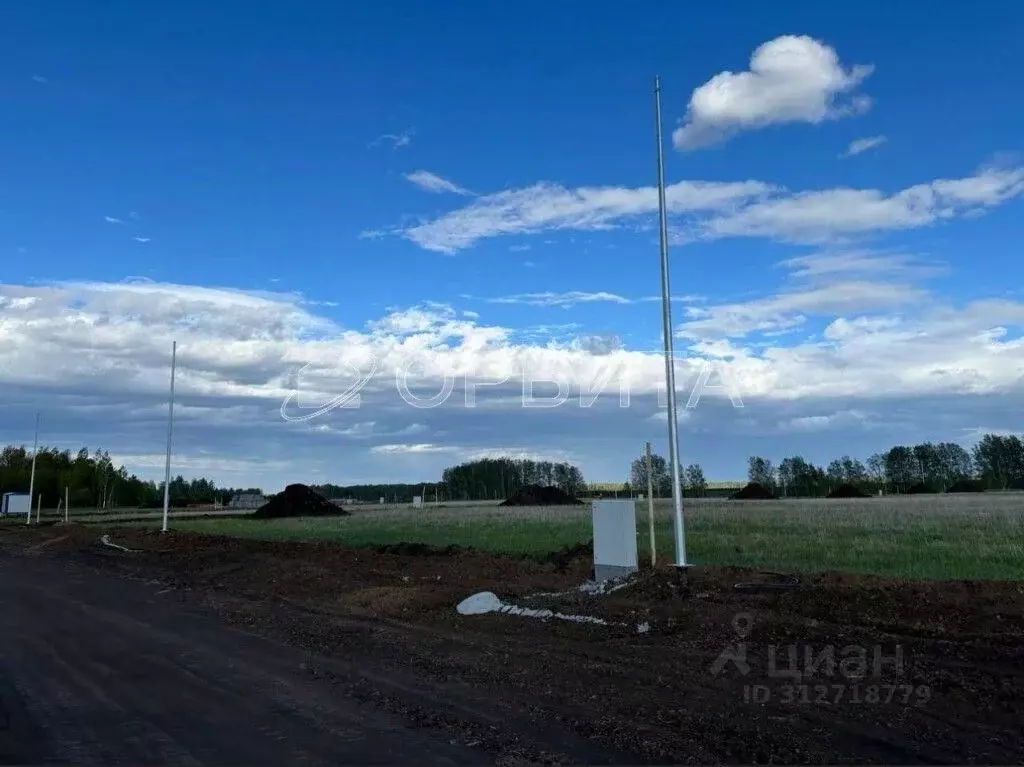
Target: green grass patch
(934, 537)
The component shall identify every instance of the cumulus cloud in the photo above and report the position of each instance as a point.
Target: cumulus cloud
(431, 182)
(95, 358)
(861, 145)
(791, 79)
(112, 220)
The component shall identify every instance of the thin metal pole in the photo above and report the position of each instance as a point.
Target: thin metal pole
(170, 432)
(666, 318)
(67, 496)
(650, 501)
(39, 508)
(32, 477)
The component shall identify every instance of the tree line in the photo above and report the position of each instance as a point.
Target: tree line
(93, 481)
(995, 463)
(691, 478)
(479, 480)
(490, 478)
(396, 492)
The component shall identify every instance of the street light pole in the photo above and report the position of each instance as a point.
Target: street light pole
(666, 320)
(170, 432)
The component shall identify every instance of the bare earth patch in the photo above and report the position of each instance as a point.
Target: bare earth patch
(921, 671)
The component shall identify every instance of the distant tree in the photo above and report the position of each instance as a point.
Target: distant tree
(876, 469)
(696, 485)
(799, 478)
(761, 470)
(835, 472)
(846, 470)
(901, 468)
(660, 477)
(1000, 461)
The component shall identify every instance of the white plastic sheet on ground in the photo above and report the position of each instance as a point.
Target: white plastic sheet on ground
(488, 602)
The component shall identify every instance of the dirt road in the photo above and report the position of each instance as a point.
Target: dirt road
(273, 652)
(96, 669)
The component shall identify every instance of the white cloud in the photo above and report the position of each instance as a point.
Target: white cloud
(40, 79)
(791, 79)
(546, 207)
(838, 419)
(826, 265)
(570, 298)
(411, 449)
(519, 248)
(786, 311)
(396, 140)
(431, 182)
(712, 210)
(861, 145)
(112, 220)
(836, 213)
(141, 239)
(96, 357)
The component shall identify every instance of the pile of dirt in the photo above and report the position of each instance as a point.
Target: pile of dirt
(537, 495)
(753, 491)
(298, 501)
(967, 486)
(919, 488)
(848, 491)
(407, 549)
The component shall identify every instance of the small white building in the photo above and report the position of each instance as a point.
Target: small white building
(15, 503)
(247, 501)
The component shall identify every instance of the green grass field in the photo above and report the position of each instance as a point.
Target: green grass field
(956, 536)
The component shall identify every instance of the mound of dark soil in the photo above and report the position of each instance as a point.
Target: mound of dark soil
(537, 495)
(421, 549)
(753, 491)
(919, 488)
(967, 486)
(298, 501)
(848, 491)
(565, 556)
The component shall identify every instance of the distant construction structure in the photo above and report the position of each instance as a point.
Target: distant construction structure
(247, 501)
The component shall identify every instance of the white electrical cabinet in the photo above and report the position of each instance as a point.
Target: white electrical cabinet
(15, 503)
(614, 538)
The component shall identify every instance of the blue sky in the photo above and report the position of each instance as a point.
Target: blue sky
(471, 188)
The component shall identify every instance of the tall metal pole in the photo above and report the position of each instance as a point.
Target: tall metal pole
(666, 318)
(170, 432)
(650, 502)
(32, 477)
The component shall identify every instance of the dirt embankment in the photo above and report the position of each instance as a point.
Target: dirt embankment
(718, 674)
